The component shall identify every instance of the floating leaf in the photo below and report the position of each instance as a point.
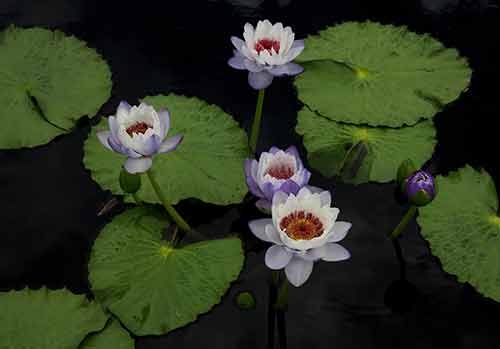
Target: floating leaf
(463, 229)
(47, 319)
(368, 73)
(151, 287)
(329, 144)
(207, 165)
(114, 336)
(47, 82)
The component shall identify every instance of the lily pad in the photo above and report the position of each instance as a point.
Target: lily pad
(47, 82)
(207, 165)
(463, 229)
(113, 336)
(150, 286)
(329, 144)
(368, 73)
(47, 319)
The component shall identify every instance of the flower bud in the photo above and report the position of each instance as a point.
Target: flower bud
(245, 300)
(420, 188)
(406, 169)
(130, 183)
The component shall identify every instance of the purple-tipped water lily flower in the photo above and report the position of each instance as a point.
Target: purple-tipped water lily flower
(267, 51)
(276, 170)
(303, 229)
(139, 133)
(420, 188)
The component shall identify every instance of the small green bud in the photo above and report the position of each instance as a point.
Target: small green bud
(130, 183)
(405, 169)
(245, 300)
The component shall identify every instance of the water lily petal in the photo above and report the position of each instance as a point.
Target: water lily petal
(123, 110)
(250, 178)
(298, 271)
(150, 146)
(138, 165)
(252, 66)
(113, 127)
(332, 252)
(268, 190)
(103, 138)
(170, 144)
(237, 62)
(326, 198)
(260, 80)
(258, 228)
(279, 198)
(277, 257)
(339, 231)
(237, 42)
(298, 43)
(302, 177)
(116, 146)
(290, 187)
(273, 234)
(274, 150)
(164, 117)
(264, 206)
(292, 150)
(294, 52)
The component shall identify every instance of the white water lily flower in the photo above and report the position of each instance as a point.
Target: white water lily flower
(268, 51)
(138, 132)
(303, 229)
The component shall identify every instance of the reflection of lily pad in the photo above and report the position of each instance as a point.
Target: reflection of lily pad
(46, 319)
(113, 336)
(368, 73)
(208, 164)
(47, 82)
(151, 287)
(463, 229)
(328, 142)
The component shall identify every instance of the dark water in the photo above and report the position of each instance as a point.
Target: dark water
(49, 203)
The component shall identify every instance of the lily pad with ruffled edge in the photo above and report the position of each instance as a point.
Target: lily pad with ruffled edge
(47, 82)
(113, 336)
(463, 229)
(45, 319)
(329, 144)
(368, 73)
(207, 165)
(150, 286)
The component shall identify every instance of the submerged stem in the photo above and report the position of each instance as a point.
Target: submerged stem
(404, 222)
(254, 133)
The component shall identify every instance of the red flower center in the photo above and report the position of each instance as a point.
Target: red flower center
(139, 127)
(300, 225)
(267, 44)
(280, 171)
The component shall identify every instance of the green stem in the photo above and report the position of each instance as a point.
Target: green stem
(404, 222)
(181, 223)
(254, 133)
(282, 299)
(136, 198)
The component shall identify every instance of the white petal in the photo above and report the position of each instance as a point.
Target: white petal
(248, 35)
(277, 257)
(103, 138)
(298, 271)
(170, 144)
(303, 193)
(138, 165)
(339, 231)
(258, 228)
(326, 198)
(332, 253)
(123, 111)
(237, 42)
(273, 234)
(279, 198)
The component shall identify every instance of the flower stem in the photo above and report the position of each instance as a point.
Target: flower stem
(271, 310)
(281, 305)
(136, 199)
(404, 222)
(181, 223)
(254, 133)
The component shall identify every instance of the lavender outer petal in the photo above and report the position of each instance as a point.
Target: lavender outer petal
(259, 81)
(164, 117)
(253, 67)
(237, 62)
(290, 187)
(170, 144)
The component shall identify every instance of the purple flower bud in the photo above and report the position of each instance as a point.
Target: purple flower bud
(420, 188)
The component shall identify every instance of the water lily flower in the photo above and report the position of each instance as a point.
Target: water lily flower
(139, 133)
(303, 229)
(276, 170)
(268, 51)
(420, 188)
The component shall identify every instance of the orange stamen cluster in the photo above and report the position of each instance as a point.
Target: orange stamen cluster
(300, 225)
(139, 127)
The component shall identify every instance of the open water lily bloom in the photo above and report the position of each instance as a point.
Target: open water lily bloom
(139, 133)
(303, 229)
(276, 170)
(267, 51)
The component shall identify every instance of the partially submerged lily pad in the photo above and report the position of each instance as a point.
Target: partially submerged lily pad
(207, 165)
(150, 286)
(368, 73)
(329, 145)
(45, 319)
(113, 336)
(463, 229)
(47, 82)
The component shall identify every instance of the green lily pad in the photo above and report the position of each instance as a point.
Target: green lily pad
(113, 336)
(463, 229)
(207, 165)
(47, 82)
(368, 73)
(150, 286)
(328, 144)
(47, 319)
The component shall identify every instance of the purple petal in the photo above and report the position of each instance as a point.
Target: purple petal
(138, 165)
(258, 228)
(286, 69)
(302, 177)
(249, 177)
(294, 69)
(117, 146)
(113, 127)
(237, 62)
(339, 231)
(274, 150)
(273, 234)
(298, 43)
(164, 117)
(298, 271)
(237, 42)
(264, 206)
(292, 150)
(150, 146)
(277, 257)
(290, 187)
(170, 144)
(103, 138)
(268, 190)
(123, 107)
(253, 66)
(294, 52)
(279, 198)
(260, 80)
(332, 253)
(326, 198)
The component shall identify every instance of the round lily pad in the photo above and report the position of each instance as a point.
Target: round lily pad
(463, 229)
(150, 286)
(113, 336)
(47, 319)
(331, 147)
(368, 73)
(207, 165)
(47, 82)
